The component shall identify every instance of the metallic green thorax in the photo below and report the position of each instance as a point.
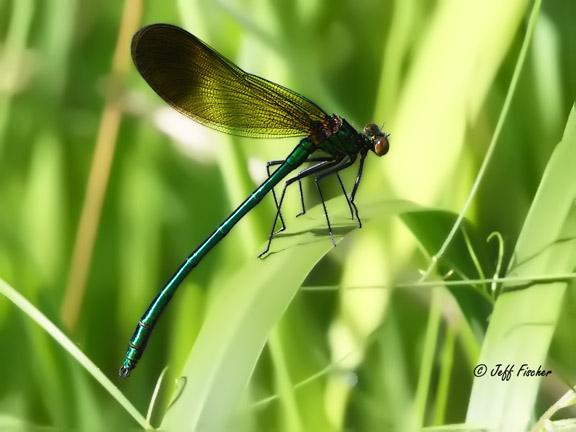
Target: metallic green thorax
(346, 141)
(144, 328)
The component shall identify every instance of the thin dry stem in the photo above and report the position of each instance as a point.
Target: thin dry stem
(99, 171)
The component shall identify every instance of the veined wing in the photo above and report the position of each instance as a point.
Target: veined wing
(207, 87)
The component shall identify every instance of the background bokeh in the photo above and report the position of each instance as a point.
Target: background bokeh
(104, 190)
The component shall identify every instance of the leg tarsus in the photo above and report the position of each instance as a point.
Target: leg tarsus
(317, 181)
(315, 159)
(356, 184)
(342, 164)
(346, 196)
(357, 215)
(268, 165)
(267, 248)
(301, 199)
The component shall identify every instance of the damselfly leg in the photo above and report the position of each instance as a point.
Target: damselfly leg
(339, 166)
(314, 169)
(268, 165)
(323, 168)
(351, 206)
(356, 184)
(324, 159)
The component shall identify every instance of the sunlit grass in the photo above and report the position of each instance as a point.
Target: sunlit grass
(381, 332)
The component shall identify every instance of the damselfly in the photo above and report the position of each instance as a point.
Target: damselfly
(205, 86)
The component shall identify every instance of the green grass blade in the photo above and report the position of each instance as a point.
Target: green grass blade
(530, 314)
(39, 318)
(14, 45)
(430, 227)
(446, 365)
(292, 420)
(495, 137)
(423, 389)
(447, 83)
(243, 312)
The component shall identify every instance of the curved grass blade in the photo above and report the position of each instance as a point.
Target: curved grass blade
(246, 308)
(430, 227)
(529, 314)
(39, 318)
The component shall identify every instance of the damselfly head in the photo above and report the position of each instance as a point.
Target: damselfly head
(378, 139)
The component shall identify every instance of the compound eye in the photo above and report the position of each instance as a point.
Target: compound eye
(381, 145)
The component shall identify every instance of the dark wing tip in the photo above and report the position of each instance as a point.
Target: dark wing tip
(137, 42)
(155, 31)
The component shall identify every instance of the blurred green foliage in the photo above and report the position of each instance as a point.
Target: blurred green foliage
(435, 73)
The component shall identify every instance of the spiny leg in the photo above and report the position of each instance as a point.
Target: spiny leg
(317, 182)
(316, 159)
(304, 173)
(356, 184)
(344, 163)
(268, 165)
(350, 205)
(358, 176)
(274, 223)
(280, 162)
(301, 199)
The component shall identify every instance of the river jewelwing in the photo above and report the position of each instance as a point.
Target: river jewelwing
(202, 84)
